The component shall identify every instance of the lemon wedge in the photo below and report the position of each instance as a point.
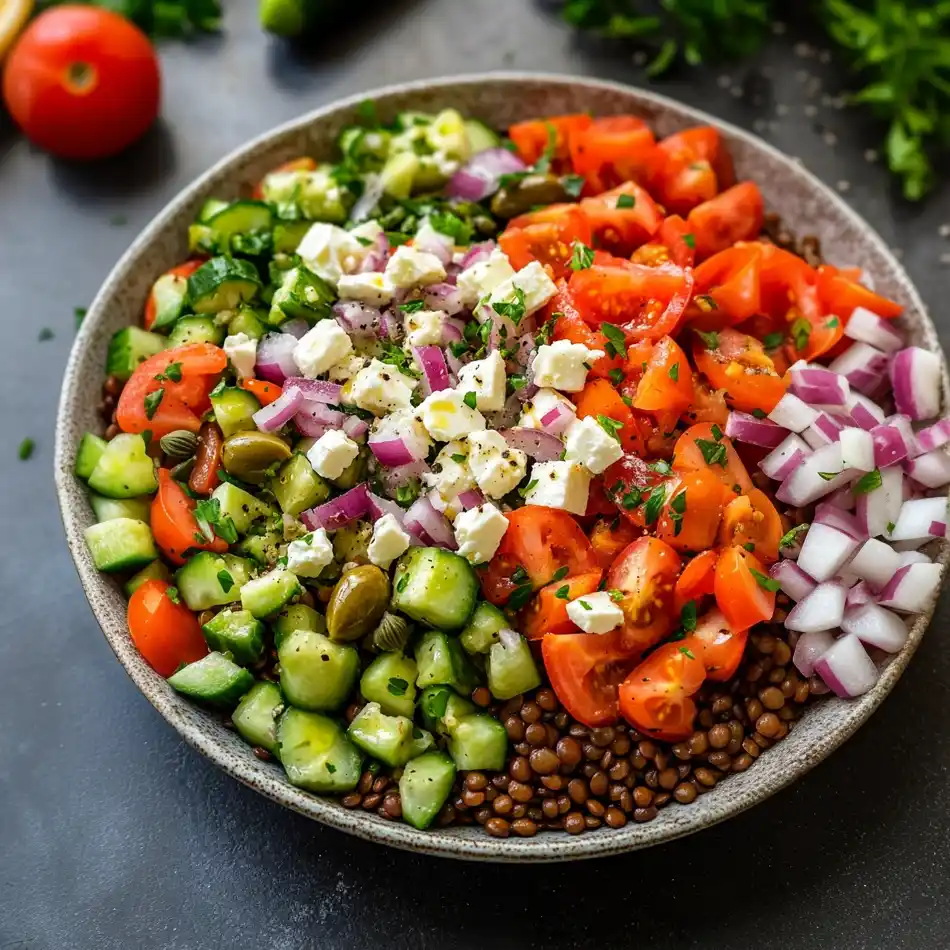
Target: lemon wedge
(13, 17)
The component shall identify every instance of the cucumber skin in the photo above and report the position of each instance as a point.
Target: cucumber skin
(436, 587)
(213, 679)
(88, 454)
(322, 737)
(238, 633)
(391, 739)
(233, 409)
(206, 282)
(424, 787)
(124, 469)
(375, 681)
(310, 682)
(198, 583)
(479, 742)
(157, 570)
(132, 538)
(129, 347)
(195, 329)
(254, 716)
(267, 594)
(481, 631)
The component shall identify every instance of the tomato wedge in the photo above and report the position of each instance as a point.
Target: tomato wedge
(739, 591)
(600, 398)
(547, 613)
(173, 522)
(165, 632)
(720, 646)
(666, 384)
(675, 236)
(536, 138)
(181, 272)
(692, 166)
(699, 442)
(569, 325)
(697, 580)
(728, 288)
(550, 241)
(609, 538)
(613, 150)
(265, 392)
(839, 294)
(753, 522)
(624, 218)
(708, 405)
(735, 215)
(629, 483)
(693, 512)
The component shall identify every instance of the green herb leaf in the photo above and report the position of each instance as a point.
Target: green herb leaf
(26, 449)
(582, 257)
(519, 575)
(470, 400)
(654, 504)
(690, 241)
(172, 594)
(615, 595)
(520, 596)
(573, 184)
(527, 489)
(687, 652)
(674, 372)
(688, 616)
(790, 538)
(513, 309)
(585, 605)
(610, 426)
(710, 339)
(801, 333)
(714, 453)
(867, 483)
(828, 476)
(459, 458)
(616, 376)
(563, 592)
(616, 341)
(764, 581)
(772, 341)
(225, 580)
(625, 202)
(412, 306)
(397, 686)
(152, 402)
(632, 499)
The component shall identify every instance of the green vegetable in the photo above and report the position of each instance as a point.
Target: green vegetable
(161, 18)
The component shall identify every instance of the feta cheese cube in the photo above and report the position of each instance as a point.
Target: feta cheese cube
(486, 378)
(309, 555)
(447, 416)
(405, 424)
(540, 404)
(389, 541)
(367, 231)
(428, 237)
(346, 369)
(563, 485)
(330, 251)
(380, 388)
(411, 268)
(564, 365)
(450, 474)
(241, 350)
(424, 327)
(496, 466)
(595, 613)
(481, 279)
(373, 289)
(332, 453)
(590, 444)
(479, 531)
(533, 281)
(321, 347)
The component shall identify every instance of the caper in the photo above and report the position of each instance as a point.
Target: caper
(523, 194)
(391, 633)
(250, 455)
(359, 599)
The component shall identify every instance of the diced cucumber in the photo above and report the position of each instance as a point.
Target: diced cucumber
(195, 330)
(156, 571)
(297, 617)
(223, 283)
(301, 294)
(316, 754)
(351, 542)
(424, 787)
(511, 669)
(265, 595)
(442, 707)
(213, 679)
(122, 544)
(479, 742)
(365, 148)
(482, 629)
(398, 174)
(233, 409)
(315, 672)
(390, 680)
(355, 472)
(263, 549)
(241, 506)
(124, 469)
(129, 347)
(296, 486)
(107, 509)
(239, 218)
(170, 293)
(442, 662)
(238, 633)
(202, 579)
(435, 586)
(393, 740)
(247, 321)
(480, 136)
(88, 454)
(288, 235)
(254, 717)
(447, 134)
(320, 198)
(209, 209)
(200, 239)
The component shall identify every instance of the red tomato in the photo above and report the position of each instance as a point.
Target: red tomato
(304, 164)
(533, 139)
(540, 541)
(180, 273)
(585, 670)
(696, 442)
(693, 511)
(735, 215)
(645, 573)
(82, 82)
(728, 288)
(839, 294)
(697, 579)
(551, 242)
(655, 697)
(570, 326)
(720, 647)
(629, 483)
(265, 392)
(600, 398)
(709, 405)
(609, 538)
(624, 218)
(167, 634)
(674, 234)
(597, 501)
(613, 150)
(173, 522)
(547, 613)
(752, 519)
(666, 384)
(692, 166)
(739, 591)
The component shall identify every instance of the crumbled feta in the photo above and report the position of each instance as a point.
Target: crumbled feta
(533, 281)
(427, 236)
(321, 347)
(589, 443)
(450, 474)
(389, 541)
(486, 378)
(330, 251)
(564, 365)
(380, 388)
(405, 424)
(481, 279)
(367, 231)
(496, 466)
(241, 350)
(411, 268)
(309, 555)
(332, 454)
(424, 327)
(595, 613)
(373, 289)
(346, 369)
(540, 404)
(562, 485)
(447, 416)
(479, 531)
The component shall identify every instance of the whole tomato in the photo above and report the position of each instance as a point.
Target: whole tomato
(82, 82)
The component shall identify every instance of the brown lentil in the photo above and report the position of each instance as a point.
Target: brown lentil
(668, 778)
(371, 801)
(574, 823)
(598, 784)
(719, 736)
(524, 827)
(530, 712)
(544, 761)
(515, 729)
(536, 734)
(615, 818)
(546, 699)
(519, 769)
(685, 793)
(482, 697)
(503, 804)
(569, 752)
(591, 822)
(497, 827)
(595, 808)
(644, 814)
(642, 797)
(578, 791)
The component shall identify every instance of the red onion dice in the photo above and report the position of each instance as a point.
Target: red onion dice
(744, 427)
(857, 449)
(876, 563)
(817, 385)
(822, 609)
(794, 581)
(793, 414)
(825, 551)
(340, 511)
(915, 376)
(809, 649)
(876, 626)
(921, 518)
(275, 357)
(862, 366)
(785, 458)
(846, 668)
(276, 415)
(867, 327)
(912, 588)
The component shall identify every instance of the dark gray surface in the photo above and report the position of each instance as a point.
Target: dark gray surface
(115, 835)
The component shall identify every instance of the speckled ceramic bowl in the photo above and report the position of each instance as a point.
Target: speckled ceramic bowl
(806, 206)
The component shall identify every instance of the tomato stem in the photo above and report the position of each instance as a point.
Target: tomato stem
(81, 78)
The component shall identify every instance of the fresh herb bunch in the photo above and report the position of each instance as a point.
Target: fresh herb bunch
(900, 49)
(161, 18)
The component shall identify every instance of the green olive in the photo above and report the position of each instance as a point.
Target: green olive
(526, 193)
(359, 599)
(250, 455)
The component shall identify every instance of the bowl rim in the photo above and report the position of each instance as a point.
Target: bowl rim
(437, 842)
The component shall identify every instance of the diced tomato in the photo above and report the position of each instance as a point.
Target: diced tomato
(739, 591)
(751, 521)
(173, 522)
(600, 398)
(708, 405)
(700, 143)
(700, 442)
(598, 503)
(734, 215)
(666, 385)
(840, 294)
(728, 288)
(623, 218)
(720, 646)
(265, 392)
(629, 483)
(569, 325)
(693, 512)
(551, 242)
(533, 139)
(547, 613)
(304, 164)
(697, 580)
(182, 271)
(613, 150)
(674, 234)
(164, 631)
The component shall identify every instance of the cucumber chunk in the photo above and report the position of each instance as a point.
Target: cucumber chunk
(478, 741)
(263, 549)
(254, 717)
(88, 454)
(424, 787)
(442, 662)
(247, 321)
(288, 235)
(129, 347)
(265, 595)
(238, 220)
(241, 506)
(316, 754)
(315, 672)
(124, 469)
(398, 174)
(213, 679)
(301, 294)
(296, 617)
(122, 544)
(436, 587)
(394, 740)
(233, 409)
(202, 580)
(209, 209)
(511, 669)
(170, 293)
(156, 571)
(195, 330)
(297, 487)
(442, 707)
(390, 680)
(482, 629)
(223, 283)
(238, 633)
(480, 136)
(107, 509)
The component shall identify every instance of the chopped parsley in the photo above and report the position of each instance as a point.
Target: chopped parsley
(677, 510)
(616, 341)
(459, 458)
(208, 510)
(615, 595)
(402, 583)
(626, 202)
(687, 652)
(759, 413)
(585, 605)
(520, 596)
(172, 594)
(412, 306)
(890, 527)
(690, 241)
(524, 492)
(225, 580)
(519, 575)
(559, 574)
(764, 581)
(152, 402)
(518, 381)
(445, 222)
(714, 453)
(674, 372)
(397, 686)
(632, 499)
(867, 483)
(717, 432)
(563, 592)
(513, 309)
(582, 257)
(828, 476)
(789, 538)
(661, 467)
(610, 426)
(772, 341)
(688, 616)
(654, 504)
(616, 376)
(573, 185)
(710, 339)
(750, 547)
(706, 303)
(470, 400)
(801, 332)
(832, 323)
(172, 372)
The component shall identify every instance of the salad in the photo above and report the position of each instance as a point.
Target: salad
(522, 480)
